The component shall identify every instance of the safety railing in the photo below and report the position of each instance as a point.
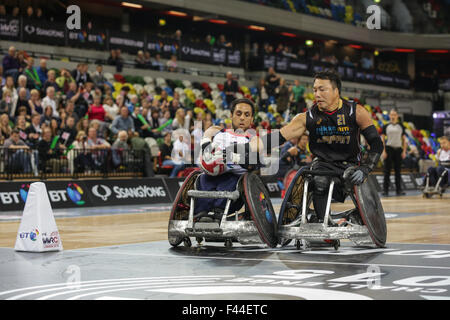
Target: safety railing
(16, 164)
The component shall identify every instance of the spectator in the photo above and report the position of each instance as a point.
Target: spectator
(272, 80)
(99, 79)
(22, 61)
(98, 147)
(297, 97)
(263, 95)
(64, 81)
(34, 131)
(96, 110)
(223, 42)
(21, 126)
(114, 59)
(35, 102)
(39, 14)
(70, 111)
(366, 61)
(22, 83)
(118, 146)
(172, 64)
(166, 155)
(5, 126)
(301, 55)
(2, 77)
(15, 11)
(347, 62)
(49, 100)
(140, 60)
(42, 70)
(230, 88)
(11, 64)
(111, 109)
(50, 157)
(47, 116)
(69, 132)
(282, 96)
(22, 101)
(9, 85)
(157, 64)
(2, 10)
(6, 103)
(51, 81)
(29, 12)
(123, 122)
(147, 60)
(79, 159)
(81, 75)
(18, 159)
(179, 121)
(83, 125)
(33, 81)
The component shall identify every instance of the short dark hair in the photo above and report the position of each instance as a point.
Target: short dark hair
(331, 75)
(242, 100)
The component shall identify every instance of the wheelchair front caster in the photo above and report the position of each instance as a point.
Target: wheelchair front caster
(336, 244)
(199, 240)
(187, 242)
(228, 243)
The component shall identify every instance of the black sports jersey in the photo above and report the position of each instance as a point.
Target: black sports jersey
(334, 136)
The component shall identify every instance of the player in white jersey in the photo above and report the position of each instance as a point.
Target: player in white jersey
(221, 144)
(443, 156)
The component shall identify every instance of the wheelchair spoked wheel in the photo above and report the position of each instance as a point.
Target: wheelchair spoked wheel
(180, 208)
(288, 178)
(261, 210)
(291, 206)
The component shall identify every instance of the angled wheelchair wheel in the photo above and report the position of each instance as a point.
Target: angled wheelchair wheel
(288, 178)
(181, 205)
(261, 210)
(371, 211)
(292, 203)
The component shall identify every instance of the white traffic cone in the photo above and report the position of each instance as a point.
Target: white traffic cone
(38, 231)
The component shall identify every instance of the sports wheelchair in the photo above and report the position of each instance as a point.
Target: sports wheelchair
(364, 225)
(429, 191)
(254, 223)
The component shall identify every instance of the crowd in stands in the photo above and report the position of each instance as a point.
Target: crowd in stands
(51, 112)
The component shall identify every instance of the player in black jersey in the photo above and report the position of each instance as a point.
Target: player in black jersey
(334, 126)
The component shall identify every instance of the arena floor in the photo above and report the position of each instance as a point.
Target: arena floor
(123, 253)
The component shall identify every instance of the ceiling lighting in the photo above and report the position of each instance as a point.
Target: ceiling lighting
(258, 28)
(287, 34)
(404, 50)
(309, 43)
(218, 21)
(355, 46)
(177, 13)
(132, 5)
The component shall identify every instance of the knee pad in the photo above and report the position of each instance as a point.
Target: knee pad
(321, 185)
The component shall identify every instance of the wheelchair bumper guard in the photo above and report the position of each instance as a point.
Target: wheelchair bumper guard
(359, 235)
(245, 232)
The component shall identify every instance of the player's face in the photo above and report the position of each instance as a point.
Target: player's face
(242, 117)
(445, 144)
(325, 95)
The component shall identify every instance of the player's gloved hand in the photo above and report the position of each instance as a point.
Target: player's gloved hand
(356, 175)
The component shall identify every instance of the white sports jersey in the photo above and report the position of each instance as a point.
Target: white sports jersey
(444, 155)
(226, 138)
